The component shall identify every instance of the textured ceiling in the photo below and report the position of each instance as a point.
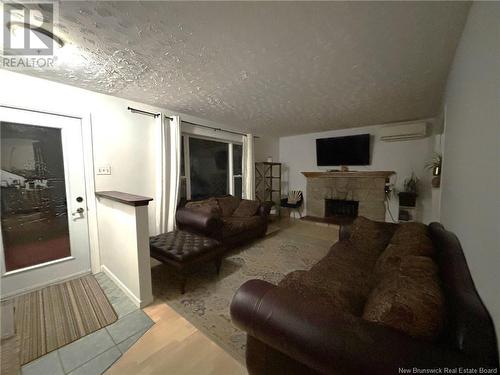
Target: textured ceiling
(274, 68)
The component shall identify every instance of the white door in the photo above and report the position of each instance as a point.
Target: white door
(44, 228)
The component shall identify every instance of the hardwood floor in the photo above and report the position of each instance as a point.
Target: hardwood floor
(174, 346)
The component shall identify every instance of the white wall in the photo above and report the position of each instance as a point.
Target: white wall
(125, 248)
(470, 202)
(298, 154)
(266, 147)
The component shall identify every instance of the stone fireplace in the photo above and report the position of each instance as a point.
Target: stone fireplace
(346, 194)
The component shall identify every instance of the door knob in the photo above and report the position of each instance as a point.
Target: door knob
(78, 211)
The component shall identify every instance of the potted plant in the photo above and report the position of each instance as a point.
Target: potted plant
(408, 197)
(435, 166)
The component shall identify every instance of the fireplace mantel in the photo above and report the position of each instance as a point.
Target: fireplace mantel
(372, 174)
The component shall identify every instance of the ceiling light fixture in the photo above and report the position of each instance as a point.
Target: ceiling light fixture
(18, 29)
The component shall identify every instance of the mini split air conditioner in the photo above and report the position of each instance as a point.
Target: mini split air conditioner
(404, 132)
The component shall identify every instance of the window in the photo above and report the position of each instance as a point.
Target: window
(183, 183)
(238, 169)
(210, 168)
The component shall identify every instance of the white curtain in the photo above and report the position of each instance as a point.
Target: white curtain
(248, 167)
(168, 173)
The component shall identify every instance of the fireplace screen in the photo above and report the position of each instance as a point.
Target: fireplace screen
(341, 207)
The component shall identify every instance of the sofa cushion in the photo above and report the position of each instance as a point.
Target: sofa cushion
(409, 299)
(333, 294)
(235, 225)
(246, 208)
(208, 205)
(371, 236)
(228, 205)
(346, 264)
(342, 278)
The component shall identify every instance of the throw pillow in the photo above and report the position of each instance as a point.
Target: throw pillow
(246, 208)
(391, 257)
(315, 287)
(208, 205)
(228, 205)
(409, 300)
(371, 236)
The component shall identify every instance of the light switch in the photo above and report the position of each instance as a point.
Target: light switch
(105, 169)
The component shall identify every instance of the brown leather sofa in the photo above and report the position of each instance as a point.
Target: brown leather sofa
(230, 220)
(327, 320)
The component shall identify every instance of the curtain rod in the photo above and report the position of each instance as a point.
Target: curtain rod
(155, 115)
(135, 110)
(216, 129)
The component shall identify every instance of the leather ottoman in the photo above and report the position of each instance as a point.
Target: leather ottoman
(185, 251)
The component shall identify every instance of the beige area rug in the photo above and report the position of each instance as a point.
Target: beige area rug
(54, 316)
(297, 246)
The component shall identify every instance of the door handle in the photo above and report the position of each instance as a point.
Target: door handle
(79, 211)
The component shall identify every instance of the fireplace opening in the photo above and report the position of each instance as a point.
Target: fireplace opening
(341, 207)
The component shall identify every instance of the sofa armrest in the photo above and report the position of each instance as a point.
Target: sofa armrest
(202, 222)
(329, 341)
(264, 209)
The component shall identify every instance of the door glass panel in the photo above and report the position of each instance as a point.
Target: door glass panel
(33, 203)
(209, 168)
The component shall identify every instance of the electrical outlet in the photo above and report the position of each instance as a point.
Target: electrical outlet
(106, 169)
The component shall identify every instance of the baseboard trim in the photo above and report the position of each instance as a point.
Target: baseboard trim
(122, 286)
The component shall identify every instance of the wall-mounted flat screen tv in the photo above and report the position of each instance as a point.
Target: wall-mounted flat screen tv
(350, 150)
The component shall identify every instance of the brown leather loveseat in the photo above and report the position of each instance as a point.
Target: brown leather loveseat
(386, 299)
(230, 220)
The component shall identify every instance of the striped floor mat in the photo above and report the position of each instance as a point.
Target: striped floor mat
(54, 316)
